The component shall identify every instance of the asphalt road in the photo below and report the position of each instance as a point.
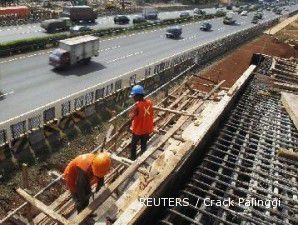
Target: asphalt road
(34, 30)
(30, 82)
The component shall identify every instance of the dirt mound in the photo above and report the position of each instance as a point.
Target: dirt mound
(231, 67)
(289, 34)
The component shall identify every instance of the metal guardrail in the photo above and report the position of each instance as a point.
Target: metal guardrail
(23, 124)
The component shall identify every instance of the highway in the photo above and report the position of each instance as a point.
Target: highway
(30, 82)
(34, 30)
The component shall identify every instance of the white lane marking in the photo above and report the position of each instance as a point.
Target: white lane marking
(124, 57)
(110, 48)
(48, 52)
(19, 28)
(26, 56)
(32, 31)
(189, 38)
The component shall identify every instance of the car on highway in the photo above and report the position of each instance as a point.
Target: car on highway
(243, 13)
(196, 11)
(206, 26)
(220, 12)
(229, 20)
(237, 10)
(121, 19)
(199, 12)
(278, 11)
(255, 20)
(184, 15)
(138, 19)
(80, 29)
(229, 7)
(174, 32)
(56, 25)
(259, 15)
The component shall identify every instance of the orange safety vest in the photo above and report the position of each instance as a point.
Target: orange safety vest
(70, 173)
(142, 122)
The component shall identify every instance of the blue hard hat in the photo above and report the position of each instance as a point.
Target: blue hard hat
(137, 90)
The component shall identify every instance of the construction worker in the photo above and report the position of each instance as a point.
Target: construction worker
(142, 120)
(83, 172)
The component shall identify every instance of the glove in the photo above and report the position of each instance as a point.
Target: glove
(100, 183)
(97, 188)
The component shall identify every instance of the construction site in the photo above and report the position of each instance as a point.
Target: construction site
(225, 129)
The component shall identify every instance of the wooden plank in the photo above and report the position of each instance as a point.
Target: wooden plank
(287, 154)
(290, 102)
(289, 87)
(239, 82)
(281, 25)
(55, 206)
(127, 162)
(174, 111)
(169, 165)
(41, 206)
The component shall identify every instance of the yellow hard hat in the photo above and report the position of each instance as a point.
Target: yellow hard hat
(101, 164)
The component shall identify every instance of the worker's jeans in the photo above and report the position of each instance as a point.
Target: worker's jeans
(135, 139)
(81, 201)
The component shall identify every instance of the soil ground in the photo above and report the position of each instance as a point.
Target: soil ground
(234, 64)
(229, 68)
(289, 34)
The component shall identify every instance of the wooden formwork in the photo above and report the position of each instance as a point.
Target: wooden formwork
(178, 108)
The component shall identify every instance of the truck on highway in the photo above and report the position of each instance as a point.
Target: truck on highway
(174, 32)
(229, 19)
(150, 13)
(21, 12)
(74, 50)
(80, 13)
(54, 25)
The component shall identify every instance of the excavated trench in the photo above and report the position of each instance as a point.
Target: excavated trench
(238, 163)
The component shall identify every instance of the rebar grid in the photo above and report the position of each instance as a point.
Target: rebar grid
(242, 162)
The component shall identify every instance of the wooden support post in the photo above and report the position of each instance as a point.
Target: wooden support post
(166, 94)
(25, 178)
(204, 78)
(189, 87)
(115, 123)
(41, 206)
(25, 175)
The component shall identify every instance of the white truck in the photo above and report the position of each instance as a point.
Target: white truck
(74, 50)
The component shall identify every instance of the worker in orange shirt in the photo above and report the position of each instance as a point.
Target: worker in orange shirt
(142, 120)
(83, 172)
